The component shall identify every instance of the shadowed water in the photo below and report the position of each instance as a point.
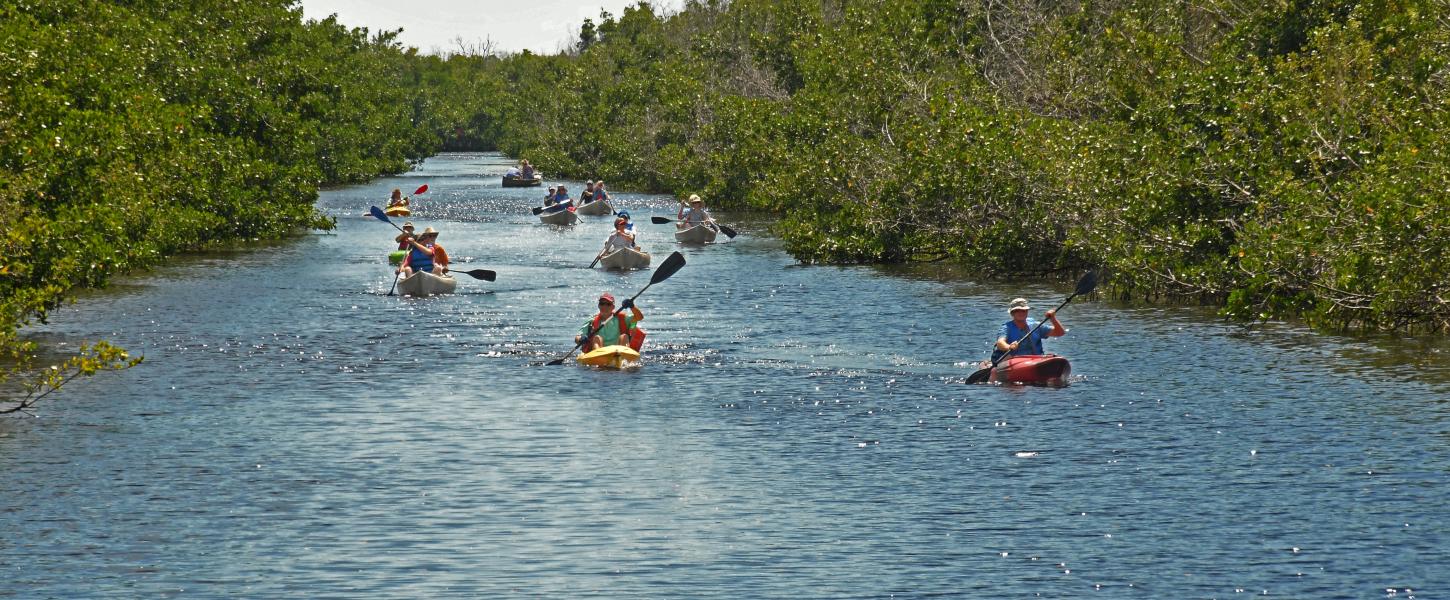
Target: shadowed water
(794, 432)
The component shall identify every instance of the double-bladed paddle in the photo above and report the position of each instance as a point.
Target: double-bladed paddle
(663, 272)
(1084, 286)
(554, 207)
(378, 213)
(730, 233)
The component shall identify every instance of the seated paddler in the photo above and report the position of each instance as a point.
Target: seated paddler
(1015, 341)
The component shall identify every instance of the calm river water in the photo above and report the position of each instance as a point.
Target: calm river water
(795, 432)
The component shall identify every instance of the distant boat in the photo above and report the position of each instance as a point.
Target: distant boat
(521, 181)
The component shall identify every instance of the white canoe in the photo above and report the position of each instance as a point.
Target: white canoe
(699, 234)
(423, 283)
(598, 207)
(625, 259)
(562, 216)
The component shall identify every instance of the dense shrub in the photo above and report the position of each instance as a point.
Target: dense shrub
(1273, 158)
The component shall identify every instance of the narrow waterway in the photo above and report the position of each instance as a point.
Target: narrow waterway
(794, 432)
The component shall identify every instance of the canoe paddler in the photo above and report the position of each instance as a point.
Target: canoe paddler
(1014, 340)
(694, 215)
(404, 237)
(621, 237)
(425, 254)
(604, 331)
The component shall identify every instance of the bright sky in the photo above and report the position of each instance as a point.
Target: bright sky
(542, 26)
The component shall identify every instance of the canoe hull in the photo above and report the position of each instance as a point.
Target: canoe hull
(600, 207)
(423, 283)
(610, 357)
(537, 181)
(1044, 369)
(625, 259)
(699, 234)
(562, 216)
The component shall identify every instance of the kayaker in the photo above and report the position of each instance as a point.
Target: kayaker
(561, 195)
(1011, 341)
(617, 330)
(425, 254)
(397, 199)
(694, 215)
(512, 173)
(628, 222)
(620, 238)
(526, 169)
(407, 234)
(549, 196)
(587, 196)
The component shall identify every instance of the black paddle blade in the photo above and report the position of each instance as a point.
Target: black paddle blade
(730, 233)
(483, 274)
(538, 209)
(379, 214)
(1086, 284)
(667, 268)
(659, 220)
(980, 376)
(554, 363)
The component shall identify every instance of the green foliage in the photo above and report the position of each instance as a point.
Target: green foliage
(134, 130)
(1276, 159)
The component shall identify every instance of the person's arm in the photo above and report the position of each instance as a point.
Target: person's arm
(633, 310)
(1057, 329)
(1004, 346)
(1002, 343)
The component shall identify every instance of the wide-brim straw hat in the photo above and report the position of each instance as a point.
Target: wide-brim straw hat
(1018, 304)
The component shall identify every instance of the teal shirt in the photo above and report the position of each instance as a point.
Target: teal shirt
(610, 331)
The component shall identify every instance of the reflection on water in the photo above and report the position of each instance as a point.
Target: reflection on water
(793, 432)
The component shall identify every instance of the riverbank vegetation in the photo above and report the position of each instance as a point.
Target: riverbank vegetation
(130, 131)
(1276, 159)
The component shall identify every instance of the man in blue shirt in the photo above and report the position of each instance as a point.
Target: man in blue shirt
(1012, 341)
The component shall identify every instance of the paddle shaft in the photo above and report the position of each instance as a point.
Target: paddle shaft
(556, 207)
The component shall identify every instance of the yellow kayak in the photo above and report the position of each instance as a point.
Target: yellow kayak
(398, 211)
(609, 357)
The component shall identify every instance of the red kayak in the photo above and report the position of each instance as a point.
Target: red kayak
(1032, 369)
